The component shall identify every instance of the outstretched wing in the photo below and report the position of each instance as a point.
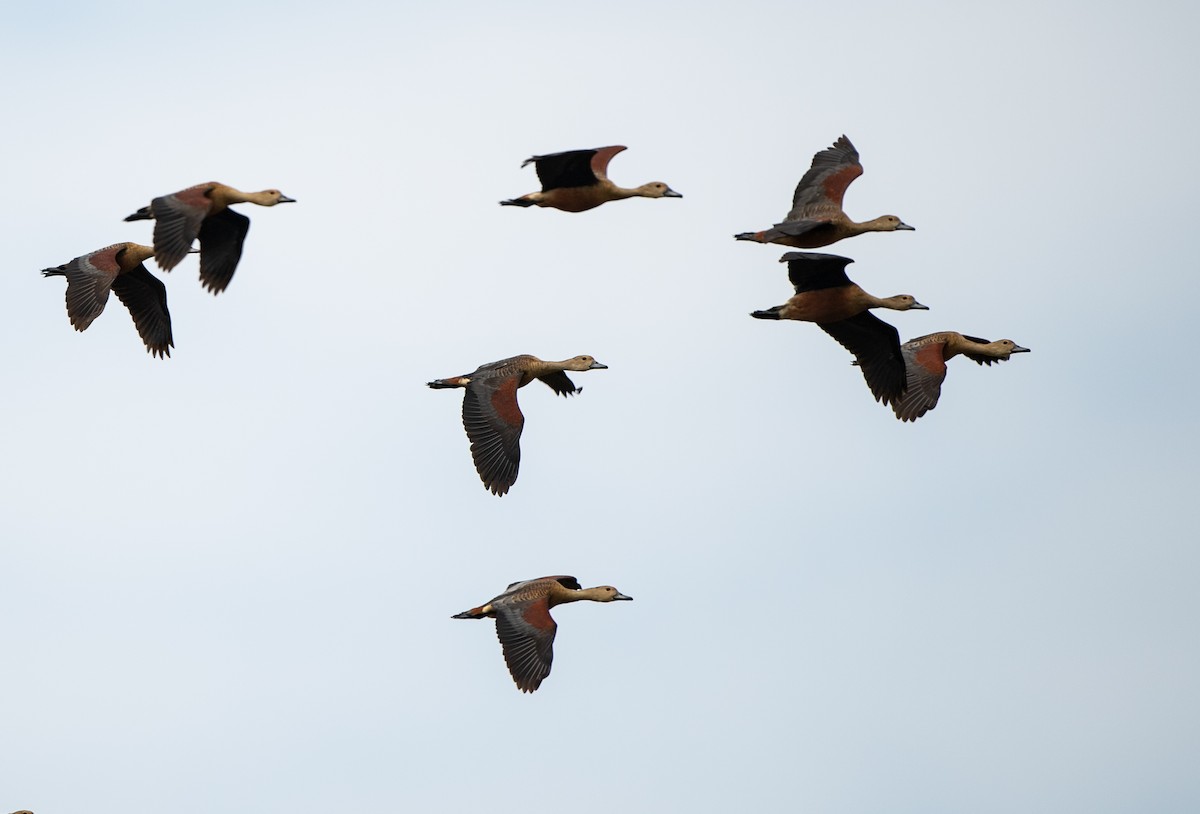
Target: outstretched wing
(221, 239)
(146, 298)
(177, 220)
(824, 185)
(574, 168)
(560, 383)
(876, 346)
(89, 279)
(925, 368)
(814, 271)
(526, 633)
(493, 421)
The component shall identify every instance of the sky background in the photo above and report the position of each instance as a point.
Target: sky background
(226, 578)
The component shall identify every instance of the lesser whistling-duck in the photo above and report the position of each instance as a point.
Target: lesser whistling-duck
(817, 218)
(525, 627)
(118, 268)
(492, 417)
(826, 296)
(925, 361)
(577, 180)
(203, 212)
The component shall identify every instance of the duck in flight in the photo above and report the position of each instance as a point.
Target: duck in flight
(119, 268)
(524, 625)
(492, 417)
(816, 218)
(202, 212)
(826, 296)
(577, 180)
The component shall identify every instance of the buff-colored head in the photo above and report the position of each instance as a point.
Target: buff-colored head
(889, 223)
(605, 593)
(903, 302)
(1004, 348)
(270, 197)
(584, 363)
(656, 189)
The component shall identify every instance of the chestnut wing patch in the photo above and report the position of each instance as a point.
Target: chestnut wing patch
(601, 158)
(824, 185)
(925, 370)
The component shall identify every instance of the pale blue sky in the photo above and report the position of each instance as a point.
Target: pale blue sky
(226, 579)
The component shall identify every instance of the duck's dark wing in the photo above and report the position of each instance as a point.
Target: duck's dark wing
(813, 271)
(526, 633)
(793, 228)
(824, 185)
(574, 168)
(560, 383)
(146, 298)
(876, 347)
(221, 239)
(493, 421)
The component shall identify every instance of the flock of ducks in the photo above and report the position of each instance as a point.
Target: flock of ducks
(907, 376)
(180, 219)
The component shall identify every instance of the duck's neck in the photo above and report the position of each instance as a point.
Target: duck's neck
(225, 195)
(960, 344)
(564, 365)
(617, 193)
(222, 196)
(894, 304)
(134, 255)
(870, 300)
(561, 595)
(880, 224)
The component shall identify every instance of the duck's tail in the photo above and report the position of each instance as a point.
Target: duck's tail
(445, 384)
(757, 237)
(142, 214)
(517, 202)
(770, 313)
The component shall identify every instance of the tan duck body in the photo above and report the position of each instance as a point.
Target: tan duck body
(119, 268)
(826, 296)
(925, 362)
(202, 213)
(493, 418)
(816, 218)
(524, 625)
(577, 180)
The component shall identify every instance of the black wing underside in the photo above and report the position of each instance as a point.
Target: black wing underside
(562, 170)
